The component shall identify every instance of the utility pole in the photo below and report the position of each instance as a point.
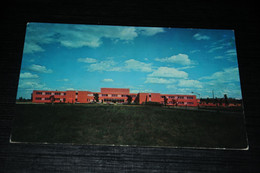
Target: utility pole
(196, 93)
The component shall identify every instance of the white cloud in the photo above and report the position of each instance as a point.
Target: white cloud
(142, 90)
(168, 72)
(214, 48)
(31, 84)
(198, 36)
(27, 75)
(159, 80)
(71, 89)
(186, 67)
(63, 80)
(128, 65)
(178, 90)
(87, 60)
(149, 31)
(135, 65)
(107, 65)
(31, 47)
(195, 51)
(190, 83)
(218, 57)
(108, 80)
(39, 68)
(76, 36)
(231, 52)
(227, 75)
(182, 59)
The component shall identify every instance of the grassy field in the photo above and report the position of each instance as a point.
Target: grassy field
(127, 125)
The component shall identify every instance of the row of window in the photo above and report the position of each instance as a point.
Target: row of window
(49, 93)
(114, 100)
(116, 95)
(181, 103)
(178, 97)
(48, 98)
(113, 95)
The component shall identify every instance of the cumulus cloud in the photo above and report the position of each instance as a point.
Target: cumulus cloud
(168, 72)
(135, 65)
(227, 75)
(190, 83)
(27, 75)
(63, 80)
(106, 65)
(76, 36)
(198, 36)
(182, 59)
(31, 47)
(87, 60)
(108, 80)
(149, 31)
(38, 68)
(159, 80)
(128, 65)
(30, 84)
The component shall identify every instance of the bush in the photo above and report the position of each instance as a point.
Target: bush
(153, 104)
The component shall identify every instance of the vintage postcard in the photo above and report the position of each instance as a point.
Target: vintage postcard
(130, 86)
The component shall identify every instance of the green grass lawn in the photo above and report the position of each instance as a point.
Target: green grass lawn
(127, 125)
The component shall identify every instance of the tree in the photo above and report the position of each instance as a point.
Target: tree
(174, 102)
(226, 100)
(221, 101)
(52, 99)
(165, 100)
(136, 101)
(96, 97)
(207, 101)
(20, 99)
(129, 99)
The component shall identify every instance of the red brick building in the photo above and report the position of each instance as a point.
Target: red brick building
(112, 95)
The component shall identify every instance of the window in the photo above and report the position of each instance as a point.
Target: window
(114, 95)
(76, 100)
(171, 97)
(189, 97)
(162, 96)
(190, 103)
(150, 95)
(57, 98)
(48, 93)
(39, 93)
(57, 93)
(64, 93)
(77, 93)
(124, 95)
(180, 97)
(181, 103)
(133, 95)
(38, 98)
(47, 98)
(104, 95)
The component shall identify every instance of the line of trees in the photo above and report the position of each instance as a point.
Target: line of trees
(21, 99)
(221, 101)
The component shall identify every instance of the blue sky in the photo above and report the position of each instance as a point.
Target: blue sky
(144, 59)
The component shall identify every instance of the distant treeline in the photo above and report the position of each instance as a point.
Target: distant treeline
(221, 100)
(21, 99)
